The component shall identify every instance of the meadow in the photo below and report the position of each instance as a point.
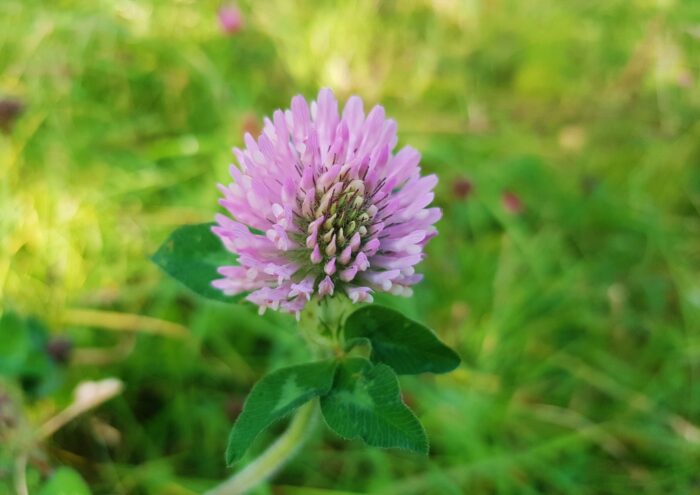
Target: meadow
(566, 273)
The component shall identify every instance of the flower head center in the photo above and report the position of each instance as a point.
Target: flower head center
(335, 220)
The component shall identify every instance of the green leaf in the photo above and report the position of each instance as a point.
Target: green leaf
(274, 397)
(365, 402)
(23, 355)
(65, 481)
(192, 255)
(405, 345)
(15, 344)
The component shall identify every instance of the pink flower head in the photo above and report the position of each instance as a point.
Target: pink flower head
(322, 206)
(230, 19)
(512, 203)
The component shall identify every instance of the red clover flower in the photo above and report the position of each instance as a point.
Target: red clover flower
(322, 205)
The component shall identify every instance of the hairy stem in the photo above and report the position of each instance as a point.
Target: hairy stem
(270, 461)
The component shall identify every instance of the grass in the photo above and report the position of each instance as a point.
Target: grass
(577, 315)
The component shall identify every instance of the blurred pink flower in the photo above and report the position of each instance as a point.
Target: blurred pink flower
(462, 188)
(512, 203)
(322, 205)
(230, 19)
(10, 110)
(251, 124)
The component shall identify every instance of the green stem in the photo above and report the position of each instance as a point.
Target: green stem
(315, 319)
(274, 457)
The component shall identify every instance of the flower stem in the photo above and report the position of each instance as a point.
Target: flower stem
(274, 457)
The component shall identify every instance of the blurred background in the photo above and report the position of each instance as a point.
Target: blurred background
(566, 135)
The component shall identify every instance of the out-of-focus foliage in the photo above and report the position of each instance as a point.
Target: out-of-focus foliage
(566, 135)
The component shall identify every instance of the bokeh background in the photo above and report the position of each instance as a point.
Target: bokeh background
(566, 135)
